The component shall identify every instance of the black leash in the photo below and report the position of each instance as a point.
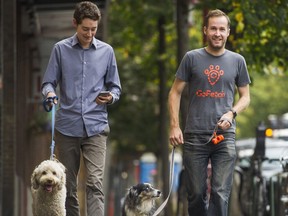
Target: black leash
(214, 138)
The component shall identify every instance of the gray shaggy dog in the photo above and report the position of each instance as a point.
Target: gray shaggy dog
(140, 200)
(48, 187)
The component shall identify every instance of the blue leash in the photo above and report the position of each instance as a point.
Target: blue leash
(52, 125)
(49, 105)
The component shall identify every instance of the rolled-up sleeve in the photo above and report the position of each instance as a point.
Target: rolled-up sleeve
(112, 80)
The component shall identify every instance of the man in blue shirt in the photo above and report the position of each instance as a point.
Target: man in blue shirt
(83, 66)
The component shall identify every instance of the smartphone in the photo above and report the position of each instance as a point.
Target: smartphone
(104, 93)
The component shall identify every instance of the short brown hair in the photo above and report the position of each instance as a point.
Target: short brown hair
(86, 9)
(216, 13)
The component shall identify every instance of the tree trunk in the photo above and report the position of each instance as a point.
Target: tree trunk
(182, 43)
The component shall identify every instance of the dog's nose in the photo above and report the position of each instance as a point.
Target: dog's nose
(158, 193)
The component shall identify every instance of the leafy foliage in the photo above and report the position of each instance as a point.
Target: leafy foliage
(134, 35)
(268, 96)
(259, 31)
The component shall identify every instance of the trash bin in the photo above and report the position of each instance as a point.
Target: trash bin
(148, 169)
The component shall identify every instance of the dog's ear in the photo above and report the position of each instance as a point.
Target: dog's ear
(62, 167)
(60, 164)
(63, 176)
(60, 186)
(133, 191)
(63, 181)
(34, 181)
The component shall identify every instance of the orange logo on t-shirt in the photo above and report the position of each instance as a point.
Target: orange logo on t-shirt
(213, 74)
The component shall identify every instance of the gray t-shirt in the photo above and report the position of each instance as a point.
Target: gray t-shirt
(211, 82)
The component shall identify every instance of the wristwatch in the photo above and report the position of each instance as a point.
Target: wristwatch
(234, 113)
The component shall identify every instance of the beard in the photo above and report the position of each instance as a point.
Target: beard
(216, 45)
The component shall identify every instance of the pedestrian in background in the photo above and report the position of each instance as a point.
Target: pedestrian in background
(211, 74)
(83, 66)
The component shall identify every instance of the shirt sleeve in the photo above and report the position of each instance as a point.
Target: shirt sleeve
(243, 75)
(52, 73)
(46, 88)
(112, 80)
(182, 71)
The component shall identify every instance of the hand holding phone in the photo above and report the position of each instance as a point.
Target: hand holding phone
(104, 97)
(104, 93)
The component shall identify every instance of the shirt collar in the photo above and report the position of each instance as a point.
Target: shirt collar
(94, 42)
(75, 41)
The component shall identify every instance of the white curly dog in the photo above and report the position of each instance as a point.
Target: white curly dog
(48, 186)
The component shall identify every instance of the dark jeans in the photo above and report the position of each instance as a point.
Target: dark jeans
(195, 159)
(93, 150)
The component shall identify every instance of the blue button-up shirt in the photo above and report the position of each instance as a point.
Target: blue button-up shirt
(81, 75)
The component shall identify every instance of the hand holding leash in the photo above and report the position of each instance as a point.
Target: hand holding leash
(225, 121)
(176, 136)
(215, 139)
(49, 102)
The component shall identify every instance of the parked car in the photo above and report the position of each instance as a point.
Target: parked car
(260, 185)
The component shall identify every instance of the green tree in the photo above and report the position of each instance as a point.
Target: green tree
(268, 96)
(259, 31)
(134, 34)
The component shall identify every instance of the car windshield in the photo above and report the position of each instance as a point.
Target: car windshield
(274, 148)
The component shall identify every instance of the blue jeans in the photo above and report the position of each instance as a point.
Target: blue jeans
(93, 151)
(195, 159)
